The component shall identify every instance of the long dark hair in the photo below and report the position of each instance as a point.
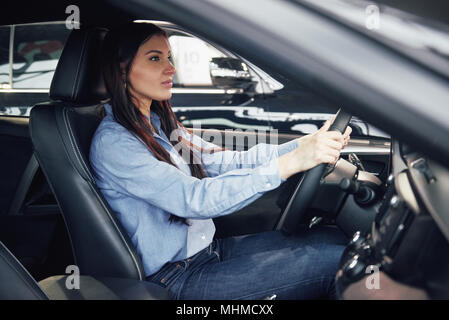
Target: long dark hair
(119, 48)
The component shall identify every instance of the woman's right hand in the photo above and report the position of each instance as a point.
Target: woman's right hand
(322, 146)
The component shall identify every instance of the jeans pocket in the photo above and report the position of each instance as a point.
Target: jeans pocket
(168, 274)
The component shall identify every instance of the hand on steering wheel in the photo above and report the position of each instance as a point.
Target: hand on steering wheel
(312, 155)
(320, 147)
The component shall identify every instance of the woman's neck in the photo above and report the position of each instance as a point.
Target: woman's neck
(143, 106)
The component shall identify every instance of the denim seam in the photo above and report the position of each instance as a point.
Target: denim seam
(177, 294)
(176, 278)
(271, 290)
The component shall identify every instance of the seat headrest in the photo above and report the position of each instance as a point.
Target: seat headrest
(78, 77)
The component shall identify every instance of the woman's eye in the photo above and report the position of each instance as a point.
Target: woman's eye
(155, 58)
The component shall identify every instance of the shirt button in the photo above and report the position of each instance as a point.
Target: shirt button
(203, 237)
(268, 185)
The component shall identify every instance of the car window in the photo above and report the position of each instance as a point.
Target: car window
(29, 54)
(212, 87)
(4, 57)
(191, 57)
(270, 103)
(37, 49)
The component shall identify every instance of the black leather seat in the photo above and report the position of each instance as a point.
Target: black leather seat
(15, 281)
(61, 132)
(17, 284)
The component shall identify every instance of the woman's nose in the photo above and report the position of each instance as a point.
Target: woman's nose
(170, 68)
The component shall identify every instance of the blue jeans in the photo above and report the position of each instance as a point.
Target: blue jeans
(255, 266)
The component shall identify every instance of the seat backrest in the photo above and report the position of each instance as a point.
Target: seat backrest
(61, 132)
(15, 281)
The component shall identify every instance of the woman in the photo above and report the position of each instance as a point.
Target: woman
(166, 202)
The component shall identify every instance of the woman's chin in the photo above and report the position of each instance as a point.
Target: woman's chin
(166, 97)
(160, 97)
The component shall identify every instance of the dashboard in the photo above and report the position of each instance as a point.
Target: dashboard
(408, 241)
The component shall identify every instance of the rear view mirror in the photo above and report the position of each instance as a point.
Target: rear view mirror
(230, 73)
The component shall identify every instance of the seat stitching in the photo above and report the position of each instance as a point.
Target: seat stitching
(76, 83)
(119, 232)
(77, 153)
(75, 148)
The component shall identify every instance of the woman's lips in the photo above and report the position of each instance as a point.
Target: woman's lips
(167, 84)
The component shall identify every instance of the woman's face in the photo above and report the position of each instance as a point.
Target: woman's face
(151, 72)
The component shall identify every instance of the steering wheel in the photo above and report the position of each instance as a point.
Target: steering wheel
(308, 186)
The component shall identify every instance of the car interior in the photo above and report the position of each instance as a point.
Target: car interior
(53, 215)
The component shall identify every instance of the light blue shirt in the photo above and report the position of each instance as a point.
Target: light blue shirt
(144, 191)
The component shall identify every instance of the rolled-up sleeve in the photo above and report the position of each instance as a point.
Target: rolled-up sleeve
(219, 162)
(130, 168)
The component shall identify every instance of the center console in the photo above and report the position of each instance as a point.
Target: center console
(403, 243)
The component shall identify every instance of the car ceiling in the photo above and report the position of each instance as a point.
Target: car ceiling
(26, 11)
(437, 10)
(21, 11)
